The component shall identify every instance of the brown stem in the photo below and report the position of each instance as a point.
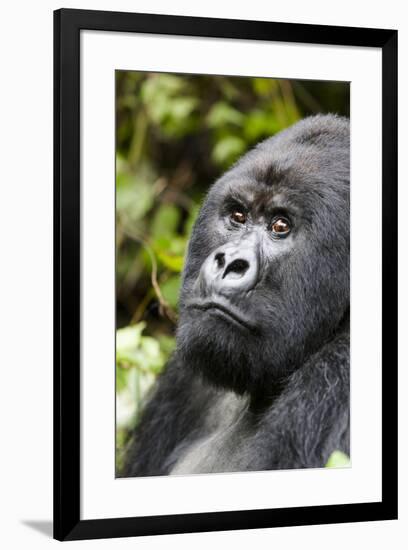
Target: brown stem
(164, 307)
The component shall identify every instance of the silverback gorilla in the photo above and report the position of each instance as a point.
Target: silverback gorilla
(260, 376)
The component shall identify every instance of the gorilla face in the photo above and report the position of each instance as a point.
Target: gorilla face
(266, 281)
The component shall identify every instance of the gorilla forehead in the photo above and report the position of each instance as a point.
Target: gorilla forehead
(314, 147)
(310, 160)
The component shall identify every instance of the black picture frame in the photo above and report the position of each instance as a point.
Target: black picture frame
(67, 26)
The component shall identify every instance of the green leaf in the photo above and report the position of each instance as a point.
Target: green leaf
(260, 124)
(133, 196)
(264, 86)
(120, 167)
(171, 290)
(135, 350)
(168, 104)
(338, 459)
(165, 220)
(121, 378)
(126, 402)
(129, 338)
(159, 86)
(170, 252)
(222, 114)
(182, 107)
(151, 354)
(167, 344)
(228, 149)
(174, 263)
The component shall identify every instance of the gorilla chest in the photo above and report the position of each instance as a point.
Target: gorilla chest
(226, 445)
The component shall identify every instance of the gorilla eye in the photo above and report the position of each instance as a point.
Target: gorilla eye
(238, 216)
(280, 226)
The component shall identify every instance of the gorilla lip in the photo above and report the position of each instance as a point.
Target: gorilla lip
(231, 312)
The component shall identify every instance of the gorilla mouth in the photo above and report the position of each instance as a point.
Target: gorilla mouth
(226, 311)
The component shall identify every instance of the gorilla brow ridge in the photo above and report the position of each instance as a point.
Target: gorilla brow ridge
(271, 174)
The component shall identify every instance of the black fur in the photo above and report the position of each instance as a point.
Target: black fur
(272, 392)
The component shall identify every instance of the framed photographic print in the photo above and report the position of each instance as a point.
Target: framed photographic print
(225, 274)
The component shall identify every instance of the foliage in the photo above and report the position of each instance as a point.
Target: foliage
(338, 460)
(175, 134)
(139, 359)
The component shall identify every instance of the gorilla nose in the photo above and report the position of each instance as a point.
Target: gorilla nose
(232, 268)
(235, 269)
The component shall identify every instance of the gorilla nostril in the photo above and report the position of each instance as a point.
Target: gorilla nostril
(220, 259)
(239, 267)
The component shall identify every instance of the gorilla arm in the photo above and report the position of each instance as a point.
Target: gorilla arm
(310, 418)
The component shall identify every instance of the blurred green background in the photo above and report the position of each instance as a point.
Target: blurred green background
(175, 134)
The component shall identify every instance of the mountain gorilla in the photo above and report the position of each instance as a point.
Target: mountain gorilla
(260, 376)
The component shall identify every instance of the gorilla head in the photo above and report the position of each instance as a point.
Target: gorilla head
(266, 281)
